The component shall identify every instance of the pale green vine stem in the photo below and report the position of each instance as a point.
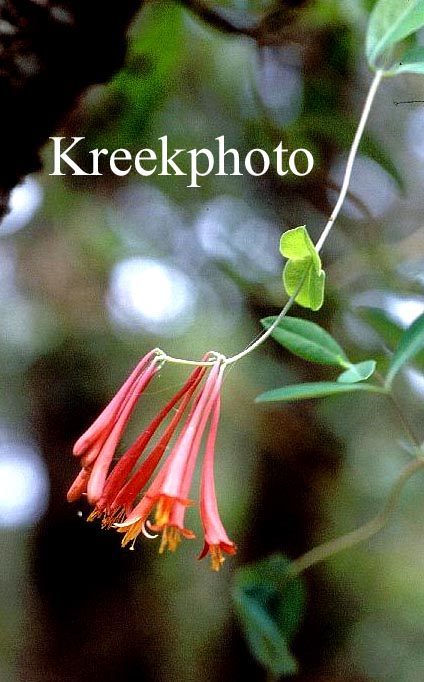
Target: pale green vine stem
(355, 537)
(250, 348)
(326, 231)
(407, 427)
(191, 363)
(268, 332)
(351, 158)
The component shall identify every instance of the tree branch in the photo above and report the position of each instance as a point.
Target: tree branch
(49, 53)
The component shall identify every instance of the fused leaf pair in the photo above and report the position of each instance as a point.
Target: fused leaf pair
(303, 276)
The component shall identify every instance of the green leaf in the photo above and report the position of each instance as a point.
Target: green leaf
(311, 293)
(411, 342)
(390, 22)
(316, 389)
(382, 324)
(269, 605)
(307, 340)
(152, 63)
(358, 372)
(296, 244)
(302, 273)
(412, 61)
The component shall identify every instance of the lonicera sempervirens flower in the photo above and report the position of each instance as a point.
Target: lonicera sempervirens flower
(118, 493)
(96, 447)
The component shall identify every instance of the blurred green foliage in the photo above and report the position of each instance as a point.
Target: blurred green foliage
(269, 604)
(78, 309)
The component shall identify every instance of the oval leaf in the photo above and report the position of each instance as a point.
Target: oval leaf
(390, 22)
(316, 389)
(411, 342)
(266, 643)
(307, 340)
(359, 372)
(269, 605)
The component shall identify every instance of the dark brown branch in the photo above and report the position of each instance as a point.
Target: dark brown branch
(49, 53)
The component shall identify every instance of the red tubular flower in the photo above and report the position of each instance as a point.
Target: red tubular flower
(175, 527)
(114, 492)
(216, 539)
(169, 491)
(119, 492)
(97, 445)
(79, 486)
(91, 440)
(171, 485)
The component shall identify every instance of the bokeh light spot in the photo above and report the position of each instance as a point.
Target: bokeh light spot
(23, 485)
(149, 293)
(25, 200)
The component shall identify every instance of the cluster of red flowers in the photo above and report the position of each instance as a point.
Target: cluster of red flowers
(114, 489)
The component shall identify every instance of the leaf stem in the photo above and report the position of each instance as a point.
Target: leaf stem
(368, 530)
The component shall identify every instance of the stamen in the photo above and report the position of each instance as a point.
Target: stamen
(171, 538)
(164, 540)
(163, 510)
(95, 514)
(216, 557)
(174, 538)
(115, 516)
(131, 534)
